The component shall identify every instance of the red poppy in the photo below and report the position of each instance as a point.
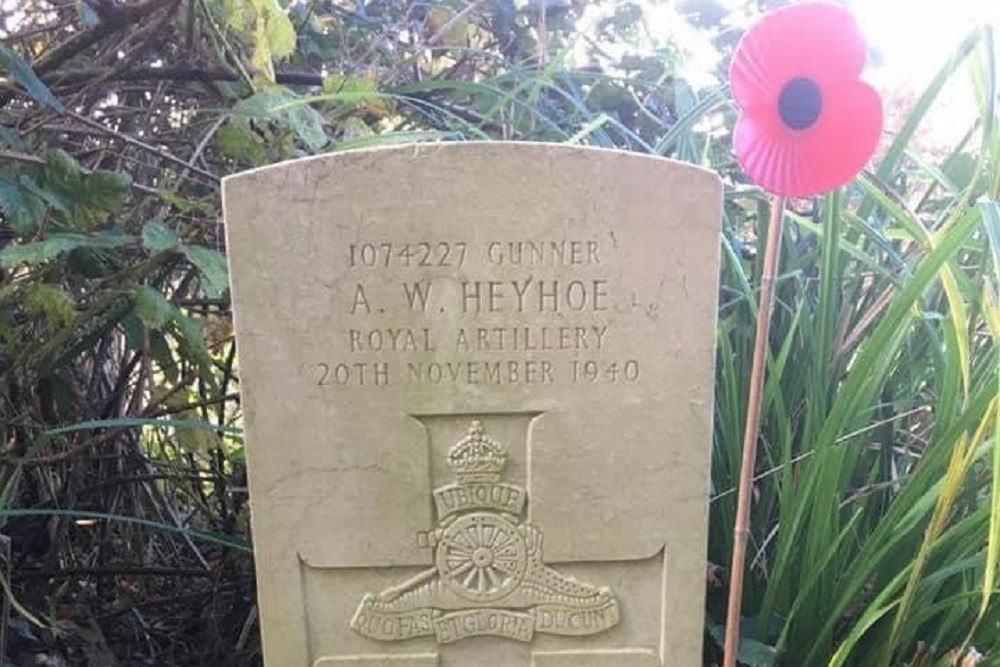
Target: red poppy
(808, 123)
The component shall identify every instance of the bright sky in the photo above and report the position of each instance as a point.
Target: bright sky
(916, 36)
(915, 39)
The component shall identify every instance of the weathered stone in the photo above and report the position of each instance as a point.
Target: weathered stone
(477, 382)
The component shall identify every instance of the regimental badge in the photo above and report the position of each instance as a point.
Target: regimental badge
(489, 577)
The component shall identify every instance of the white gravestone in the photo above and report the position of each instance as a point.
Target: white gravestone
(477, 381)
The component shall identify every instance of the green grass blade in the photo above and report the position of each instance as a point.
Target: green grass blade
(155, 525)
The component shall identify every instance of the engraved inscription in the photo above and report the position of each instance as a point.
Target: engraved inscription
(489, 577)
(359, 374)
(478, 372)
(439, 343)
(529, 295)
(426, 254)
(423, 254)
(474, 622)
(395, 340)
(460, 497)
(504, 339)
(540, 253)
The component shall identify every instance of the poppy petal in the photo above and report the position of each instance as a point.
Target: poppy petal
(770, 157)
(848, 133)
(816, 40)
(796, 163)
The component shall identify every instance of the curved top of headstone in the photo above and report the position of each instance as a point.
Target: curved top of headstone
(467, 150)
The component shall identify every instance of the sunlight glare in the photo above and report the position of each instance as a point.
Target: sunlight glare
(914, 40)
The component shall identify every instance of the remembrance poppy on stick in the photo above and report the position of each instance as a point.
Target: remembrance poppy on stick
(808, 123)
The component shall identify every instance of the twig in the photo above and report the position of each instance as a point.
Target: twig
(211, 75)
(20, 157)
(543, 35)
(71, 572)
(146, 34)
(228, 52)
(17, 606)
(247, 627)
(142, 144)
(208, 478)
(742, 527)
(41, 30)
(195, 405)
(160, 502)
(49, 459)
(199, 149)
(117, 17)
(203, 75)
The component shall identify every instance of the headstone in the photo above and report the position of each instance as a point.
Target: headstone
(477, 382)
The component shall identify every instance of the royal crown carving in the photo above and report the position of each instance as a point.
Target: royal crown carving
(477, 457)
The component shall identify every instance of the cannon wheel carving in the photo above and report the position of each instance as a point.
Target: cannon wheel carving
(482, 557)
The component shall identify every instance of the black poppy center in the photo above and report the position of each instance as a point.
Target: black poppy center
(800, 103)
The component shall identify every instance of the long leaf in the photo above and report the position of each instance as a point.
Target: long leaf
(119, 518)
(26, 77)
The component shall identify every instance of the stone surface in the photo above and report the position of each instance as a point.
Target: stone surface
(478, 390)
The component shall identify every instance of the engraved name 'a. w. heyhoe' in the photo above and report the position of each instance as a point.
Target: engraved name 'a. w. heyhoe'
(488, 576)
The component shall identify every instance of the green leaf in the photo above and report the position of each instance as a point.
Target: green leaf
(199, 441)
(59, 202)
(234, 15)
(188, 333)
(750, 651)
(212, 266)
(106, 190)
(185, 205)
(84, 200)
(263, 104)
(22, 73)
(156, 422)
(38, 252)
(991, 221)
(10, 137)
(87, 15)
(165, 527)
(23, 209)
(308, 125)
(132, 328)
(280, 31)
(100, 195)
(342, 83)
(50, 300)
(61, 166)
(277, 103)
(236, 140)
(152, 308)
(260, 54)
(157, 237)
(163, 353)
